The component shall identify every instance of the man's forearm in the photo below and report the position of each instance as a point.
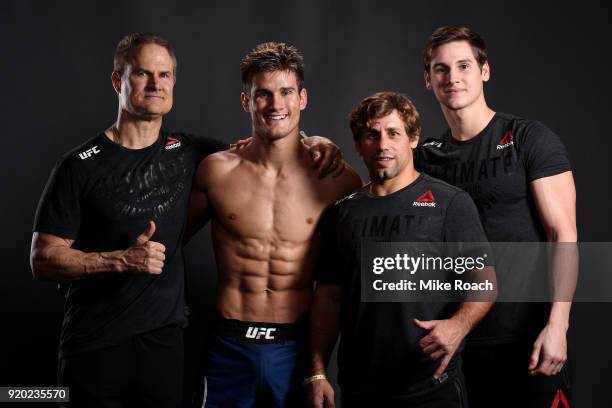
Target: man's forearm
(324, 326)
(559, 314)
(470, 314)
(68, 264)
(564, 263)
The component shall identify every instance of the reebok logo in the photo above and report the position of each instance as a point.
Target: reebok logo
(89, 152)
(426, 199)
(259, 332)
(172, 143)
(505, 141)
(560, 400)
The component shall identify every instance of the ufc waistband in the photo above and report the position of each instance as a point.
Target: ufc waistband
(261, 332)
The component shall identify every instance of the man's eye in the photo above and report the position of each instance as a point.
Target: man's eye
(286, 92)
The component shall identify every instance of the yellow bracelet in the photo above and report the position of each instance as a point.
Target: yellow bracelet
(313, 378)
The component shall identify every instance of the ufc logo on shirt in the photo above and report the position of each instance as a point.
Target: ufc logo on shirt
(260, 332)
(89, 152)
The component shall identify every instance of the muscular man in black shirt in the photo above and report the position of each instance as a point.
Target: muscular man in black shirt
(110, 227)
(391, 354)
(518, 173)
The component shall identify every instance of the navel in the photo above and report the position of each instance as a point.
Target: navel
(309, 220)
(231, 216)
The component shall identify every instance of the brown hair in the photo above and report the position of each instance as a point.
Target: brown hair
(269, 57)
(444, 35)
(382, 104)
(130, 44)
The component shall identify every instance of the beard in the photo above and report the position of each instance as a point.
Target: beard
(384, 174)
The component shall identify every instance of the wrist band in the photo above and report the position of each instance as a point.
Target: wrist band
(314, 378)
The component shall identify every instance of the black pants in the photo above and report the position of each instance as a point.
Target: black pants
(143, 371)
(497, 376)
(450, 394)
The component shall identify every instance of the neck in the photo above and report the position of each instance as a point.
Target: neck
(133, 132)
(277, 153)
(468, 122)
(390, 186)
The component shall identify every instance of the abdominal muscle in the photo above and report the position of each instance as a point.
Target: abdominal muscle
(263, 279)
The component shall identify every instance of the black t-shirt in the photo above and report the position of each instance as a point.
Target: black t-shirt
(495, 168)
(378, 345)
(102, 195)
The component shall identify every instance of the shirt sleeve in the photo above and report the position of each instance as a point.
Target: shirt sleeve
(330, 269)
(207, 145)
(544, 153)
(59, 209)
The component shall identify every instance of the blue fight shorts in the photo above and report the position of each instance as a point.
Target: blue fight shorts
(255, 365)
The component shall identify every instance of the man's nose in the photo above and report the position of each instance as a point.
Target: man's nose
(153, 82)
(277, 102)
(383, 142)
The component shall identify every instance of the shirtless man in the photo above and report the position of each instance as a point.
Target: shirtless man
(124, 288)
(265, 202)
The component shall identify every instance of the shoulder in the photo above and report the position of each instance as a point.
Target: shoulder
(206, 145)
(525, 129)
(350, 200)
(218, 164)
(444, 194)
(80, 156)
(348, 181)
(441, 186)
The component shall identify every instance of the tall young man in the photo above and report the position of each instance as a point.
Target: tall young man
(518, 173)
(109, 227)
(391, 354)
(265, 201)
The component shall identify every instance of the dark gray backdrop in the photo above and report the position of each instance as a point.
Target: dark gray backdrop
(549, 61)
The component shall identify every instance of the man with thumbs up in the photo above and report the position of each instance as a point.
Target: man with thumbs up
(109, 228)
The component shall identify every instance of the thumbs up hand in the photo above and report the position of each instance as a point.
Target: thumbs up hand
(145, 256)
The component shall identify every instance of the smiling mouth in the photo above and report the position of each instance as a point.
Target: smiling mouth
(383, 159)
(276, 117)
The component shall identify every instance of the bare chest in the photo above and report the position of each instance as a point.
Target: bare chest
(281, 208)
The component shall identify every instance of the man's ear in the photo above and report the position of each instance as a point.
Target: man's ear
(414, 141)
(116, 81)
(244, 100)
(485, 71)
(427, 79)
(303, 99)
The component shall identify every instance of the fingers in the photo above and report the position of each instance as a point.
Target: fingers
(437, 354)
(426, 325)
(442, 366)
(155, 246)
(241, 143)
(321, 395)
(549, 365)
(328, 393)
(535, 355)
(431, 348)
(339, 169)
(145, 256)
(146, 235)
(325, 162)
